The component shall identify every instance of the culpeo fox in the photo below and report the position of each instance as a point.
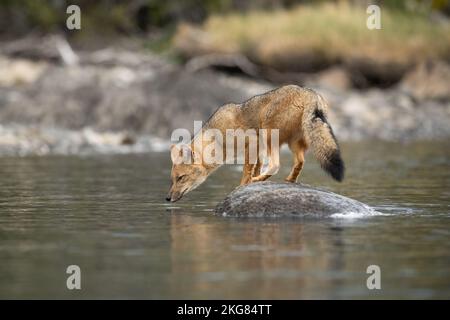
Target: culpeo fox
(299, 114)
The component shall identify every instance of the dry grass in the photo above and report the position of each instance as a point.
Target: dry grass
(321, 34)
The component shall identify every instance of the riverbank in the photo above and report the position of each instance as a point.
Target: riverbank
(311, 38)
(135, 95)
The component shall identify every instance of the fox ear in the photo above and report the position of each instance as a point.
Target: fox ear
(182, 153)
(196, 156)
(176, 154)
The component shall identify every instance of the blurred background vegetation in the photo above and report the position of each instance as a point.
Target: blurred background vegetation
(129, 17)
(294, 35)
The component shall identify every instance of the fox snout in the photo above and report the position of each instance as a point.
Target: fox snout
(176, 192)
(173, 197)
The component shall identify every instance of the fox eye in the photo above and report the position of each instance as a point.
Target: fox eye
(179, 178)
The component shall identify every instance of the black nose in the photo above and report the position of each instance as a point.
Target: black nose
(168, 198)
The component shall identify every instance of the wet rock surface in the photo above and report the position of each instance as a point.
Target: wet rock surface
(271, 199)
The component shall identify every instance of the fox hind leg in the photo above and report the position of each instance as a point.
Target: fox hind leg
(298, 150)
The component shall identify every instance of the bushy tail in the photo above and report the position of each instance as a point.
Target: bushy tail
(319, 135)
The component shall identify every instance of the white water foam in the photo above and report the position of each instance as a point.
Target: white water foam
(358, 215)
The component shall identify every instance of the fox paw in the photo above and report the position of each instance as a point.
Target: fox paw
(260, 178)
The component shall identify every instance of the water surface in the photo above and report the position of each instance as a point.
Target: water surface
(107, 214)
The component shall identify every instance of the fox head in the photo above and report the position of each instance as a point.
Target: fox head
(188, 172)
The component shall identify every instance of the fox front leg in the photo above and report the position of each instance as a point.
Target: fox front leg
(274, 165)
(248, 168)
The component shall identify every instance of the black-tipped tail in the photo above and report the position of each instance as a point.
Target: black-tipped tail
(334, 165)
(319, 135)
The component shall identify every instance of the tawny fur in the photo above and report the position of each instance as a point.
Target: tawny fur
(300, 115)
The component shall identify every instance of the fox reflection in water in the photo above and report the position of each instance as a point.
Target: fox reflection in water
(280, 256)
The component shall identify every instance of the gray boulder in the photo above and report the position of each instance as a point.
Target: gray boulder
(270, 199)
